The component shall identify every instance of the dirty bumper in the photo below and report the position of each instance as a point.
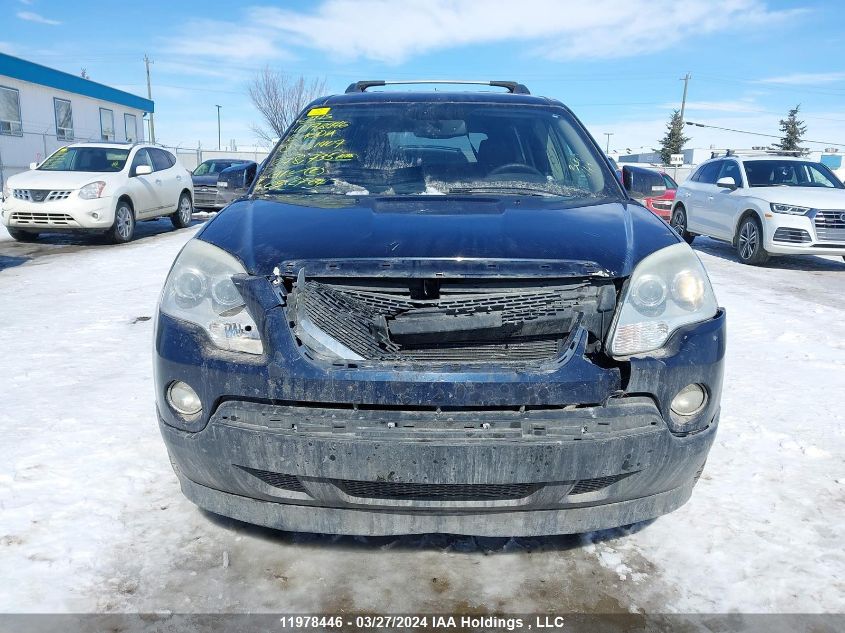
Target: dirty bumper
(385, 471)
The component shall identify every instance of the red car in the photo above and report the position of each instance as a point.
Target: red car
(655, 189)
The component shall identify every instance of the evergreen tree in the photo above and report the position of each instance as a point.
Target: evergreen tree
(674, 140)
(793, 130)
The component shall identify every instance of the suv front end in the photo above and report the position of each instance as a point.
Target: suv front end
(372, 363)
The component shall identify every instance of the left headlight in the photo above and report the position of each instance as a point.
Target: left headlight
(199, 289)
(92, 190)
(668, 289)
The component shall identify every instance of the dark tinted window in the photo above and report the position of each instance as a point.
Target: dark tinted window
(670, 184)
(142, 158)
(709, 173)
(789, 173)
(211, 167)
(730, 169)
(645, 183)
(160, 159)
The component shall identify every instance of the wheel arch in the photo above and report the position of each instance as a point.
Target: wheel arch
(125, 197)
(750, 211)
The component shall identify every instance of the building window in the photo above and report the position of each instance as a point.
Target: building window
(131, 125)
(106, 125)
(64, 119)
(10, 112)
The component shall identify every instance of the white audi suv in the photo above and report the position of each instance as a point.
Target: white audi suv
(764, 205)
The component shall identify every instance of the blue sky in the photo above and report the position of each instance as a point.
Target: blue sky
(617, 64)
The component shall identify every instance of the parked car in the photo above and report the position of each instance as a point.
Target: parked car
(438, 312)
(205, 178)
(764, 205)
(655, 189)
(97, 187)
(234, 182)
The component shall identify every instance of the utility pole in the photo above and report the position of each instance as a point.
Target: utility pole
(608, 135)
(150, 97)
(685, 79)
(218, 126)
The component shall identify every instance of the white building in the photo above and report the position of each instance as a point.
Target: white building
(42, 109)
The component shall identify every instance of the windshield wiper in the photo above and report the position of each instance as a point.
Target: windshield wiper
(528, 191)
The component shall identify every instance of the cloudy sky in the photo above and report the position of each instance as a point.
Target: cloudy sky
(617, 64)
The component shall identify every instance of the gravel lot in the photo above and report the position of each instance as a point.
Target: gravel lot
(88, 499)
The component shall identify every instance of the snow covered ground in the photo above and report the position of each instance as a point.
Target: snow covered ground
(92, 519)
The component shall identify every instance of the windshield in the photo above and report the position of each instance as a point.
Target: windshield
(790, 173)
(438, 148)
(97, 159)
(211, 167)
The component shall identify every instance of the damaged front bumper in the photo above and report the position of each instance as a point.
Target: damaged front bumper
(566, 447)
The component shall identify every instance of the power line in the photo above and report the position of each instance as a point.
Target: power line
(728, 129)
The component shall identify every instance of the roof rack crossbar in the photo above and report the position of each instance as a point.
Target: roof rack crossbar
(773, 151)
(512, 86)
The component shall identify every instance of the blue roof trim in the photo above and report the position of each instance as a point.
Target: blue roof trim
(42, 75)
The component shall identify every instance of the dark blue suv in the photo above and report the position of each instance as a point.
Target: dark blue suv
(438, 312)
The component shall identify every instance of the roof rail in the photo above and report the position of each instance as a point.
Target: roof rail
(512, 86)
(756, 151)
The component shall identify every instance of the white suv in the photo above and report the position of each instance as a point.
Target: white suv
(104, 187)
(764, 205)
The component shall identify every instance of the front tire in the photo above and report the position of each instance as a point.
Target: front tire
(22, 236)
(184, 212)
(749, 242)
(123, 229)
(679, 223)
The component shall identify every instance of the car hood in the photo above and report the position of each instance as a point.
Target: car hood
(813, 197)
(35, 179)
(210, 180)
(264, 233)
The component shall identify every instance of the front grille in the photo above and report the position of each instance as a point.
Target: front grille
(830, 225)
(435, 492)
(40, 195)
(793, 236)
(277, 480)
(398, 490)
(506, 325)
(41, 219)
(205, 196)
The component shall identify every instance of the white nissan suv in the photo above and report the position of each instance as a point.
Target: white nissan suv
(764, 205)
(103, 187)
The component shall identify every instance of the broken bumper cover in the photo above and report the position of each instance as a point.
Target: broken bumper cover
(495, 452)
(254, 463)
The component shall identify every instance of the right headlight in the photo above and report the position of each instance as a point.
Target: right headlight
(199, 289)
(668, 289)
(789, 209)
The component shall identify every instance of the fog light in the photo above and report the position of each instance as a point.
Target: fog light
(183, 398)
(95, 215)
(689, 400)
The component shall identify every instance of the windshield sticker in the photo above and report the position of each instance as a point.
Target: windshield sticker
(316, 142)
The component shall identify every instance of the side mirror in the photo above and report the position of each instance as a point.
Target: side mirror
(628, 179)
(727, 182)
(143, 170)
(33, 165)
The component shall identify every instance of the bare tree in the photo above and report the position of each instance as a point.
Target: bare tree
(279, 98)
